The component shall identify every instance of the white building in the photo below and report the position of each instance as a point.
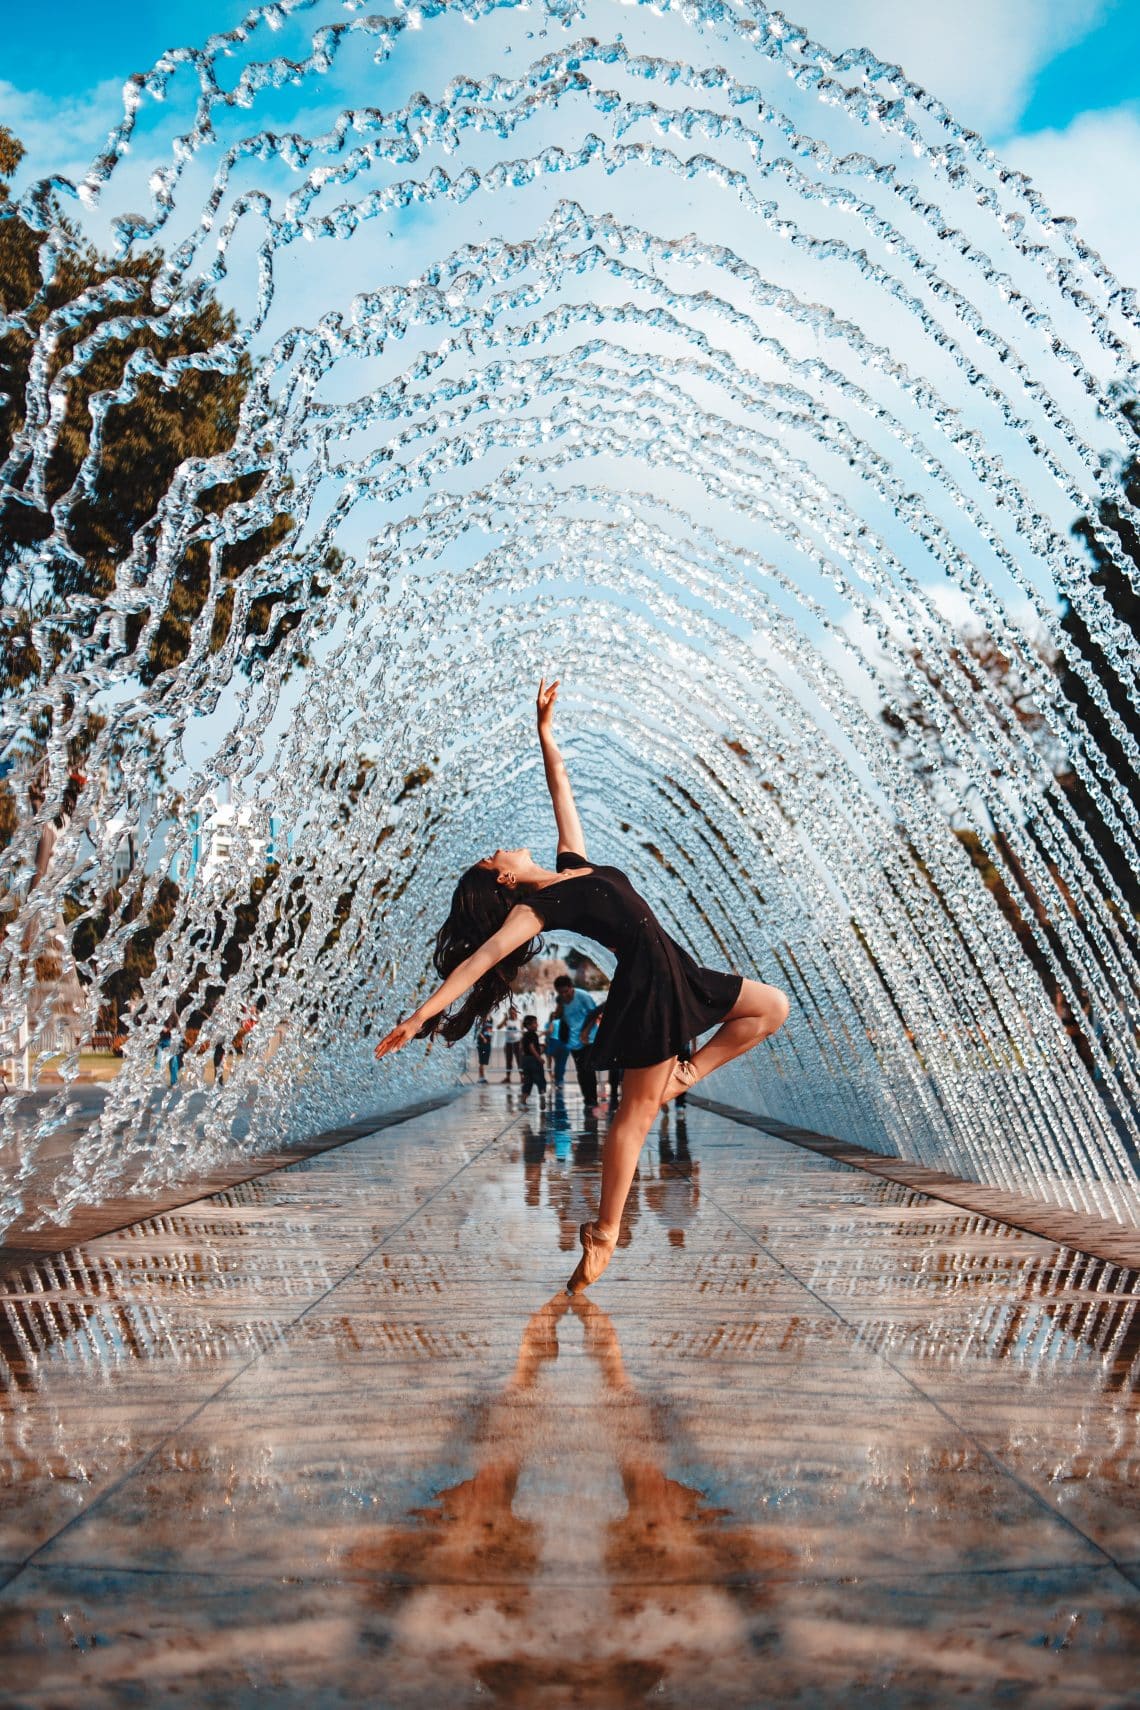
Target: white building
(229, 838)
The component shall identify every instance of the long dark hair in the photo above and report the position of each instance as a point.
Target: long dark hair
(479, 906)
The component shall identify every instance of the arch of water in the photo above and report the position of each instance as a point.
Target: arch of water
(665, 349)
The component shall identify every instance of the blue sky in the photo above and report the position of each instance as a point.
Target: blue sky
(87, 44)
(1054, 84)
(1095, 69)
(1101, 70)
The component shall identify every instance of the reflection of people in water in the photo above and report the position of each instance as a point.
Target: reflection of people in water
(558, 1125)
(659, 997)
(674, 1193)
(511, 1569)
(567, 1190)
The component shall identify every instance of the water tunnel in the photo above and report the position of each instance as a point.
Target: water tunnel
(385, 361)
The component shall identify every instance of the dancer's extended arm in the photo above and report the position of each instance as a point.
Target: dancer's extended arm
(570, 835)
(521, 925)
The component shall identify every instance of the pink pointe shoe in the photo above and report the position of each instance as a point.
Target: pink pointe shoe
(596, 1255)
(683, 1077)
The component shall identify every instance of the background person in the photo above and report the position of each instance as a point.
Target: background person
(577, 1009)
(531, 1071)
(511, 1035)
(484, 1036)
(557, 1047)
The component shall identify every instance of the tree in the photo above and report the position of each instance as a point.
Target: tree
(64, 562)
(119, 989)
(144, 439)
(928, 748)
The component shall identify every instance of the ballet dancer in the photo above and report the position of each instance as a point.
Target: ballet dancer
(658, 1000)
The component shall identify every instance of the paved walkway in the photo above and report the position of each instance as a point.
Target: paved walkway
(334, 1437)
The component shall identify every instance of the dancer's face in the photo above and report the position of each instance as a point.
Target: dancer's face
(508, 864)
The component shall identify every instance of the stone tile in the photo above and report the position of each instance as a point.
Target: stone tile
(801, 1445)
(107, 1348)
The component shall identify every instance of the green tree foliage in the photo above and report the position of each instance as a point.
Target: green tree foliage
(983, 662)
(120, 989)
(144, 439)
(929, 748)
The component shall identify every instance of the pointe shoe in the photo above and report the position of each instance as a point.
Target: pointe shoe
(596, 1255)
(683, 1076)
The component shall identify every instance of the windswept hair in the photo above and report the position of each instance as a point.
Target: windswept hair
(479, 906)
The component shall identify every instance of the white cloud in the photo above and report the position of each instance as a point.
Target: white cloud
(977, 56)
(1091, 171)
(60, 134)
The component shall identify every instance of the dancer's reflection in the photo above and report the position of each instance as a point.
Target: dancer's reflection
(504, 1579)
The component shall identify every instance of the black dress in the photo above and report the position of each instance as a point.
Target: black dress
(659, 998)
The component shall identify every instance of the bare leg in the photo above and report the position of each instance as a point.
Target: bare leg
(758, 1012)
(641, 1097)
(640, 1101)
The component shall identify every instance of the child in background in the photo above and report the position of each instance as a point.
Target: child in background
(531, 1071)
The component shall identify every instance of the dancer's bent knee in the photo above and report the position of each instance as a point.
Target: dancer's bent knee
(637, 1108)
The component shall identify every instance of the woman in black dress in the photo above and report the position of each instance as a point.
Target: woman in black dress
(659, 998)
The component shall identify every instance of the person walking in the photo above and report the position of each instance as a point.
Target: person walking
(557, 1050)
(659, 998)
(577, 1008)
(484, 1035)
(511, 1035)
(169, 1046)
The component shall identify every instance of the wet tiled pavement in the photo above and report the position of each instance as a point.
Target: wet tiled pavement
(335, 1437)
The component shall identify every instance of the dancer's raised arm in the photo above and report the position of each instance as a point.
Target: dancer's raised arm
(520, 925)
(570, 835)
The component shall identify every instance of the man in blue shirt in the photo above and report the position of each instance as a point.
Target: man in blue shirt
(578, 1010)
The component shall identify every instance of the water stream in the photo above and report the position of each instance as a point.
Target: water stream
(659, 347)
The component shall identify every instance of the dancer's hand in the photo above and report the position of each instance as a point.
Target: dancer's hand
(545, 705)
(398, 1037)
